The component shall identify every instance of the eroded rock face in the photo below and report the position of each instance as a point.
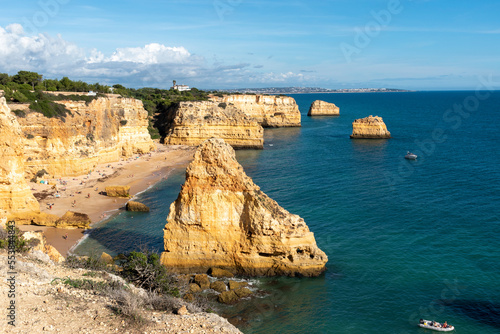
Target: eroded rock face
(191, 123)
(222, 219)
(268, 111)
(370, 128)
(102, 131)
(322, 108)
(15, 193)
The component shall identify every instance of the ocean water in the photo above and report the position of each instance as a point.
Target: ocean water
(405, 239)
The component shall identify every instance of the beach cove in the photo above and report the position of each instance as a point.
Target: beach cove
(139, 172)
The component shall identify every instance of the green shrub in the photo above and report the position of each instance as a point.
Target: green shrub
(20, 244)
(49, 109)
(144, 270)
(19, 97)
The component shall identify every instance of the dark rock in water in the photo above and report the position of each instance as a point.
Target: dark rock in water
(228, 297)
(218, 286)
(243, 292)
(202, 281)
(233, 285)
(137, 206)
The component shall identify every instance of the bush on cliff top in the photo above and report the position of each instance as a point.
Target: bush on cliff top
(145, 271)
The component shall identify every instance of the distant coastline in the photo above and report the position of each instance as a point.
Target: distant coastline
(310, 90)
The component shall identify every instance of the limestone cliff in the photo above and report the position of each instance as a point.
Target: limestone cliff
(15, 194)
(222, 219)
(99, 132)
(269, 111)
(191, 123)
(322, 108)
(370, 128)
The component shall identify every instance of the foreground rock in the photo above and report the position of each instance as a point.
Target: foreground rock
(370, 128)
(191, 123)
(268, 110)
(322, 108)
(136, 206)
(222, 219)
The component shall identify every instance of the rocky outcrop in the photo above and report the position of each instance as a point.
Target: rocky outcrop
(73, 220)
(267, 110)
(322, 108)
(222, 219)
(98, 132)
(136, 206)
(370, 128)
(117, 191)
(38, 242)
(191, 123)
(15, 194)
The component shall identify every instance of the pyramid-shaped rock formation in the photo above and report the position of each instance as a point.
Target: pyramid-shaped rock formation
(222, 219)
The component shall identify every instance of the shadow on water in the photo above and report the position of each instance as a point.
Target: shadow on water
(117, 240)
(485, 312)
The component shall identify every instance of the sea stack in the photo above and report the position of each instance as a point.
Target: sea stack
(222, 219)
(322, 108)
(370, 128)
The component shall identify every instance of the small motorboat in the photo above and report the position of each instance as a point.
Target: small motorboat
(410, 156)
(436, 326)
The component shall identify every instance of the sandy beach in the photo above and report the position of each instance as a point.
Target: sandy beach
(82, 193)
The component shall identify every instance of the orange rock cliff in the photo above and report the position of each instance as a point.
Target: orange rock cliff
(222, 219)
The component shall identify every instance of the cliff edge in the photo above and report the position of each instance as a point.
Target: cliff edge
(222, 219)
(370, 128)
(101, 131)
(15, 193)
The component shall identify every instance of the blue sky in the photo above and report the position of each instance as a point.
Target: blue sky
(414, 44)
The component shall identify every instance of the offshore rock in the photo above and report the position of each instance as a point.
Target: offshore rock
(370, 128)
(136, 206)
(15, 194)
(322, 108)
(101, 131)
(191, 123)
(268, 110)
(222, 219)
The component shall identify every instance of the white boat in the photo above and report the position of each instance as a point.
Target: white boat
(410, 156)
(436, 326)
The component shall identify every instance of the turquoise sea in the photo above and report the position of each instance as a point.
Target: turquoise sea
(405, 239)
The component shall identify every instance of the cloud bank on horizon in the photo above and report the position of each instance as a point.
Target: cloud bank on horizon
(235, 44)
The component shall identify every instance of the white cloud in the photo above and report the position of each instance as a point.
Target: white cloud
(150, 65)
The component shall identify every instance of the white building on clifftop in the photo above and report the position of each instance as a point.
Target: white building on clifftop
(180, 88)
